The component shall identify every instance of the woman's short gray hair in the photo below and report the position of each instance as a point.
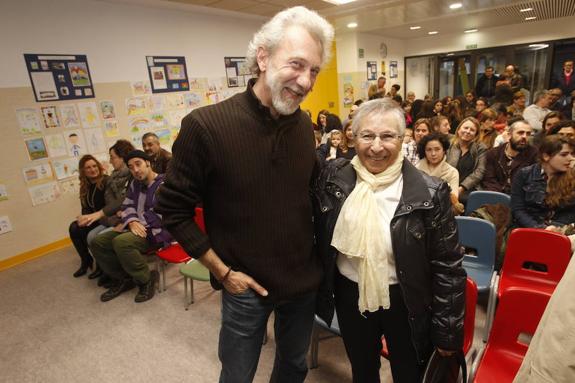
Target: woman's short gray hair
(379, 106)
(272, 32)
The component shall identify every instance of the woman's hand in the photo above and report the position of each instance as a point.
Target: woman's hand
(137, 229)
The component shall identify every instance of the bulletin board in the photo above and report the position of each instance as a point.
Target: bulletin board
(168, 73)
(59, 77)
(371, 70)
(237, 72)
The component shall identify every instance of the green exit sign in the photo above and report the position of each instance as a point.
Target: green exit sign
(471, 46)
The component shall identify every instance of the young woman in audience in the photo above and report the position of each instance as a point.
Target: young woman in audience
(518, 106)
(348, 141)
(437, 108)
(427, 110)
(455, 114)
(565, 129)
(114, 194)
(441, 125)
(487, 132)
(467, 156)
(548, 123)
(432, 151)
(322, 120)
(480, 105)
(543, 194)
(93, 181)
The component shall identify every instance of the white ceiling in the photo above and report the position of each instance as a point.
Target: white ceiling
(392, 18)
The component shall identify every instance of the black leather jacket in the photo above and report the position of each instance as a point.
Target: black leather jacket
(425, 245)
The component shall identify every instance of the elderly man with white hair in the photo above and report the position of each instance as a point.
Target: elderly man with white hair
(388, 240)
(249, 161)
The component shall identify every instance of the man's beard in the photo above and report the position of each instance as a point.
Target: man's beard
(517, 146)
(282, 105)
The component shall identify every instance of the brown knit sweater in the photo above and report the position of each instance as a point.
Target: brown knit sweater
(252, 174)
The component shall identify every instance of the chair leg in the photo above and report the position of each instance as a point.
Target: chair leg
(186, 301)
(159, 269)
(191, 291)
(491, 304)
(314, 346)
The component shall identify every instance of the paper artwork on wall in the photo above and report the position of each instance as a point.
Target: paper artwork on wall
(50, 116)
(158, 75)
(176, 117)
(29, 121)
(174, 101)
(75, 143)
(140, 88)
(140, 124)
(89, 114)
(44, 193)
(95, 141)
(56, 145)
(157, 102)
(37, 174)
(108, 110)
(111, 128)
(193, 100)
(164, 136)
(5, 225)
(70, 186)
(136, 140)
(136, 105)
(59, 77)
(348, 94)
(65, 168)
(159, 120)
(69, 116)
(3, 191)
(104, 159)
(36, 148)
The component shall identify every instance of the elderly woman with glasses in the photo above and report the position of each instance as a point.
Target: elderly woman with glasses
(388, 239)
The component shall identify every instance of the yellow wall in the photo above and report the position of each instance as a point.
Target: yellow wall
(325, 93)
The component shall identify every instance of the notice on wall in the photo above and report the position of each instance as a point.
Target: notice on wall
(393, 69)
(371, 70)
(237, 71)
(3, 191)
(167, 73)
(59, 77)
(5, 225)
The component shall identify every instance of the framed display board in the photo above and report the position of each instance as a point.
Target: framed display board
(168, 73)
(371, 70)
(59, 77)
(237, 72)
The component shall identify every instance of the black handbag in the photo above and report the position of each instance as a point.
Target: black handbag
(446, 369)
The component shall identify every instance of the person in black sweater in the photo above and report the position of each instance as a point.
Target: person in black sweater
(93, 182)
(250, 160)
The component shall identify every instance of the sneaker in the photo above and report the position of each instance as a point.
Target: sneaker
(117, 289)
(147, 290)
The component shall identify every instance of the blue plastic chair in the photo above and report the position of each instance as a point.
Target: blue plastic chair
(315, 338)
(478, 234)
(479, 198)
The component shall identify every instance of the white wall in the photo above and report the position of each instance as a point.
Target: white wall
(507, 35)
(117, 37)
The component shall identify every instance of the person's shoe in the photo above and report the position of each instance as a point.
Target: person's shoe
(96, 273)
(105, 281)
(147, 290)
(117, 289)
(82, 270)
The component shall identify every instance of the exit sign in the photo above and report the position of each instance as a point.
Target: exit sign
(471, 46)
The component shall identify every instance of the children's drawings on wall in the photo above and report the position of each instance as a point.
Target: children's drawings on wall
(37, 174)
(69, 116)
(193, 100)
(174, 101)
(70, 186)
(108, 110)
(136, 105)
(36, 148)
(29, 121)
(3, 191)
(111, 128)
(65, 168)
(176, 117)
(75, 143)
(56, 145)
(5, 225)
(139, 124)
(140, 88)
(89, 114)
(95, 141)
(50, 115)
(44, 193)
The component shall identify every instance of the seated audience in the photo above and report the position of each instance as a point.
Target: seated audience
(159, 157)
(406, 106)
(440, 124)
(93, 181)
(437, 108)
(549, 121)
(503, 162)
(427, 110)
(467, 156)
(469, 106)
(348, 141)
(518, 106)
(565, 129)
(432, 151)
(333, 145)
(120, 252)
(543, 194)
(487, 132)
(394, 90)
(536, 112)
(411, 292)
(410, 96)
(421, 128)
(456, 114)
(480, 105)
(322, 120)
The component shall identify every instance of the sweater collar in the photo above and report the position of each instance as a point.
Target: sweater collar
(260, 109)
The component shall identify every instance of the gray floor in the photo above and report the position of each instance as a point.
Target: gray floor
(55, 330)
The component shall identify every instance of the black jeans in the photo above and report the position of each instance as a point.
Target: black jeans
(362, 335)
(79, 237)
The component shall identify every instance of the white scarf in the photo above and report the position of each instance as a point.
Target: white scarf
(359, 232)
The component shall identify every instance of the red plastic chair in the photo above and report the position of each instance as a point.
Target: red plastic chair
(468, 322)
(525, 247)
(518, 314)
(174, 253)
